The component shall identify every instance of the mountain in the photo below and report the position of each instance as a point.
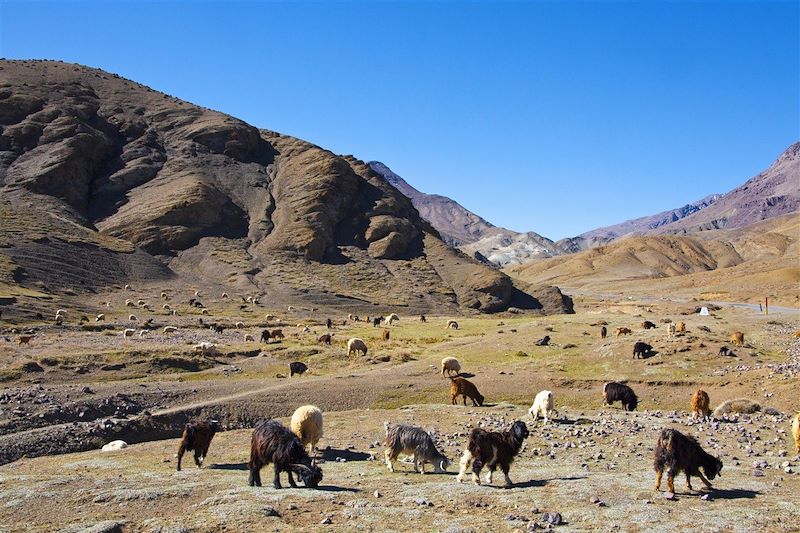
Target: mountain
(463, 229)
(105, 181)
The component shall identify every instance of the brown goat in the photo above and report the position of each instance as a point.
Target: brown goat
(25, 339)
(681, 327)
(467, 389)
(277, 334)
(737, 338)
(700, 403)
(603, 332)
(648, 325)
(622, 331)
(197, 437)
(325, 339)
(678, 452)
(492, 449)
(386, 334)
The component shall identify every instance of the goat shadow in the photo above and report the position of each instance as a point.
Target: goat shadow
(648, 355)
(227, 466)
(331, 454)
(733, 494)
(334, 488)
(466, 375)
(531, 483)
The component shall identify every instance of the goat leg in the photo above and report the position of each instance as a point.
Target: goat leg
(659, 473)
(276, 482)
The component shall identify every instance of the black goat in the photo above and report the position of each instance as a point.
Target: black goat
(613, 392)
(678, 452)
(641, 349)
(265, 336)
(197, 437)
(492, 448)
(296, 367)
(274, 443)
(377, 321)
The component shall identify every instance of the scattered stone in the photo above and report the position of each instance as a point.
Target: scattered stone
(669, 496)
(327, 520)
(270, 511)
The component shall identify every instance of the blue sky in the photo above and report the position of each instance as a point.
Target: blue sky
(556, 117)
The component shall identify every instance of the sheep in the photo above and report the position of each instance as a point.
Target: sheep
(128, 332)
(24, 339)
(114, 445)
(356, 345)
(277, 334)
(737, 338)
(678, 452)
(467, 389)
(452, 324)
(386, 334)
(249, 338)
(413, 440)
(350, 317)
(700, 403)
(206, 348)
(100, 317)
(681, 327)
(197, 437)
(269, 317)
(274, 443)
(451, 364)
(796, 432)
(738, 406)
(170, 329)
(492, 449)
(325, 339)
(296, 367)
(622, 331)
(648, 325)
(613, 391)
(306, 423)
(544, 341)
(61, 313)
(132, 318)
(641, 349)
(603, 332)
(376, 321)
(542, 405)
(671, 329)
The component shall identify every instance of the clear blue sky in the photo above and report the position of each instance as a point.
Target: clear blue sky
(556, 117)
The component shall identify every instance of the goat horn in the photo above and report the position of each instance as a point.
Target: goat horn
(299, 466)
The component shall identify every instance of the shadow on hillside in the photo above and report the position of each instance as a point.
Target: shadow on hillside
(331, 454)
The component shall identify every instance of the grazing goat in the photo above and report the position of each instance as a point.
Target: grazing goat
(24, 339)
(671, 330)
(641, 349)
(700, 404)
(128, 332)
(249, 338)
(377, 321)
(613, 391)
(296, 367)
(206, 348)
(603, 332)
(737, 338)
(356, 345)
(622, 331)
(132, 318)
(796, 432)
(451, 364)
(100, 317)
(386, 334)
(277, 334)
(544, 341)
(329, 323)
(492, 448)
(542, 405)
(265, 336)
(307, 425)
(325, 339)
(272, 442)
(197, 437)
(170, 329)
(678, 452)
(413, 440)
(239, 325)
(648, 325)
(724, 350)
(422, 318)
(452, 324)
(681, 327)
(391, 319)
(467, 389)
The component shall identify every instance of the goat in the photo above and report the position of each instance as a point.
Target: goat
(377, 321)
(272, 442)
(603, 332)
(170, 329)
(452, 324)
(492, 449)
(326, 338)
(678, 452)
(622, 331)
(24, 339)
(277, 334)
(542, 405)
(413, 440)
(465, 388)
(681, 327)
(356, 345)
(306, 423)
(386, 334)
(544, 341)
(613, 391)
(700, 403)
(641, 349)
(197, 437)
(648, 325)
(737, 338)
(451, 364)
(671, 329)
(296, 367)
(265, 336)
(796, 432)
(422, 318)
(249, 338)
(329, 323)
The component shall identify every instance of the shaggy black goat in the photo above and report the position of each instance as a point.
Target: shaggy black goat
(297, 367)
(377, 321)
(197, 437)
(492, 448)
(328, 323)
(544, 341)
(613, 392)
(641, 349)
(274, 443)
(265, 336)
(678, 452)
(413, 440)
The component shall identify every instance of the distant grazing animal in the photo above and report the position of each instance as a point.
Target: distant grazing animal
(737, 338)
(306, 423)
(603, 332)
(197, 293)
(492, 449)
(265, 336)
(452, 324)
(613, 392)
(796, 432)
(451, 365)
(700, 404)
(648, 325)
(166, 307)
(239, 325)
(143, 332)
(671, 329)
(197, 437)
(129, 303)
(290, 308)
(224, 294)
(170, 329)
(114, 445)
(641, 349)
(325, 339)
(296, 367)
(391, 319)
(249, 338)
(681, 327)
(413, 440)
(542, 405)
(677, 452)
(329, 323)
(386, 334)
(206, 348)
(163, 295)
(277, 334)
(462, 387)
(376, 321)
(724, 350)
(84, 318)
(216, 328)
(140, 303)
(274, 443)
(622, 331)
(356, 345)
(269, 317)
(422, 318)
(544, 341)
(100, 317)
(132, 318)
(24, 339)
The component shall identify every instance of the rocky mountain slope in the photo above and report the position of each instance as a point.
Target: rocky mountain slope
(104, 181)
